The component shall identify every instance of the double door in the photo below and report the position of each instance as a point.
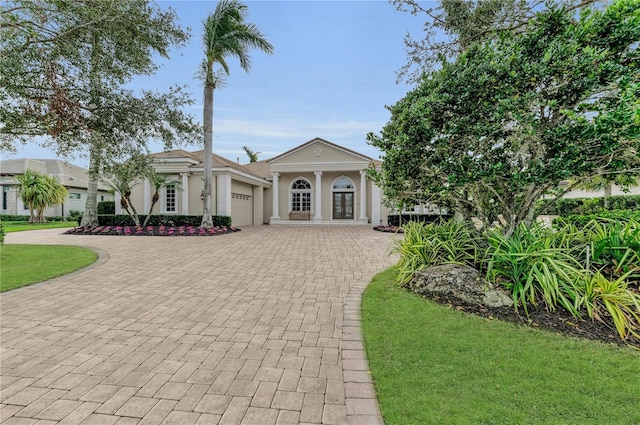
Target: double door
(342, 205)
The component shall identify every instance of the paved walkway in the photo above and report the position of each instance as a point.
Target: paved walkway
(257, 327)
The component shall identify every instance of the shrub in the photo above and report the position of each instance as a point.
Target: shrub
(432, 244)
(162, 220)
(532, 266)
(604, 216)
(597, 294)
(2, 233)
(75, 215)
(7, 217)
(615, 246)
(106, 207)
(586, 206)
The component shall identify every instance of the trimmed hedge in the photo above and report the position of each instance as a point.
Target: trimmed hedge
(8, 217)
(162, 220)
(106, 207)
(587, 206)
(402, 219)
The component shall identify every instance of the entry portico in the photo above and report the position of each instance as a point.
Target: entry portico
(321, 182)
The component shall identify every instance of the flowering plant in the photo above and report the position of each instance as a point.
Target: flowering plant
(151, 231)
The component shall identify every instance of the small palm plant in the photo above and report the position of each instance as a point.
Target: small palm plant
(38, 192)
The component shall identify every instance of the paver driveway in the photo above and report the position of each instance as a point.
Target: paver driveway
(256, 327)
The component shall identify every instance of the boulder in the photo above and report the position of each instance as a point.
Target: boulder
(462, 282)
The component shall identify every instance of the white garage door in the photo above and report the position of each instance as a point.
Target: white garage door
(241, 210)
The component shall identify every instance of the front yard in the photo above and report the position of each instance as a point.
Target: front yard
(435, 365)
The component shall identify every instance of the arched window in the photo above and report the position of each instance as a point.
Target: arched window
(301, 195)
(343, 183)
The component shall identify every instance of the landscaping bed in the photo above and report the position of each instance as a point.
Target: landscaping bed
(151, 231)
(538, 317)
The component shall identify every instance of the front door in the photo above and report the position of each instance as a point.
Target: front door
(342, 205)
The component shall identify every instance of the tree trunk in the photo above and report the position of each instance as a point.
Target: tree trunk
(90, 215)
(207, 119)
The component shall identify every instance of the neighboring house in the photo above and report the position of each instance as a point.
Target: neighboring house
(317, 182)
(71, 176)
(582, 193)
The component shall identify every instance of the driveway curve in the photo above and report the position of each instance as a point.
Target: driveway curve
(256, 327)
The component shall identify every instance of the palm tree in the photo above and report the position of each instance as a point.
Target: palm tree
(225, 34)
(158, 181)
(38, 192)
(253, 156)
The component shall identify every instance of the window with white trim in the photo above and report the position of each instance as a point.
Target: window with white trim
(170, 198)
(301, 195)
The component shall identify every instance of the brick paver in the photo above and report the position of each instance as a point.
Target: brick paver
(260, 326)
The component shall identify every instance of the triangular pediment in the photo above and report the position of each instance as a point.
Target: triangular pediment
(318, 154)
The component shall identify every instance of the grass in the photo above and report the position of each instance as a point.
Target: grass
(19, 226)
(434, 365)
(23, 265)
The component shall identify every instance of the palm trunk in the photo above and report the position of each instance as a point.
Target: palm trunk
(207, 119)
(154, 201)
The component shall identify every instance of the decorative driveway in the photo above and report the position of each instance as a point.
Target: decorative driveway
(256, 327)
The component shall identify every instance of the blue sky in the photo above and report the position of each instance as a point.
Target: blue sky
(331, 74)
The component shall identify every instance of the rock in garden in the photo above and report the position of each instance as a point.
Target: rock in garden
(461, 282)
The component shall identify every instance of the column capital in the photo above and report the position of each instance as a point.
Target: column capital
(275, 174)
(317, 173)
(363, 172)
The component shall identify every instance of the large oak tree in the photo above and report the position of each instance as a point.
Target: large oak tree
(64, 71)
(511, 118)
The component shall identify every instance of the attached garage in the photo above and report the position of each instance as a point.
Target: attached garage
(241, 210)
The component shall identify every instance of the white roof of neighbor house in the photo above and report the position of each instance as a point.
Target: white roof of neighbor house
(66, 173)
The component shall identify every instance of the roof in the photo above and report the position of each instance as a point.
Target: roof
(176, 153)
(65, 173)
(260, 168)
(198, 156)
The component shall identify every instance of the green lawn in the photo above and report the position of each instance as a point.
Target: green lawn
(19, 226)
(434, 365)
(22, 265)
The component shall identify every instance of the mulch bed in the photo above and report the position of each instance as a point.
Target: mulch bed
(389, 229)
(150, 231)
(558, 321)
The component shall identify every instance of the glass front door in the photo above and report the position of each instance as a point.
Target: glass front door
(342, 205)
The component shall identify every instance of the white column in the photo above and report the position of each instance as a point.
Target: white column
(318, 214)
(275, 216)
(146, 203)
(376, 201)
(185, 193)
(224, 194)
(363, 196)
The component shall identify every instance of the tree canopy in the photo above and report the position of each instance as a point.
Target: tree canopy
(454, 25)
(512, 117)
(64, 70)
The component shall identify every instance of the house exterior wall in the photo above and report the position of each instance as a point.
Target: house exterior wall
(15, 206)
(267, 205)
(615, 191)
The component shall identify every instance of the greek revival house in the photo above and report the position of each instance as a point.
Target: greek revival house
(315, 183)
